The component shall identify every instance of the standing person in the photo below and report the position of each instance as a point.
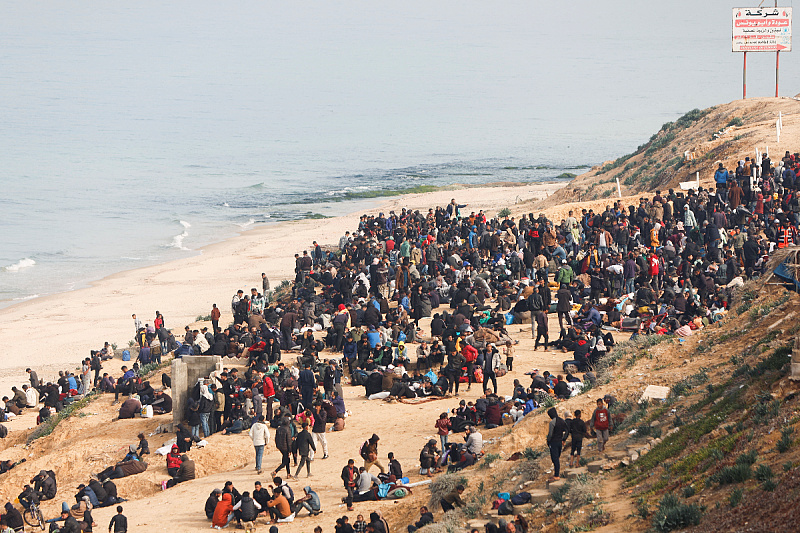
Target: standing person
(307, 382)
(369, 452)
(349, 475)
(600, 422)
(259, 433)
(509, 356)
(563, 307)
(489, 363)
(215, 316)
(443, 425)
(541, 330)
(283, 441)
(34, 378)
(318, 429)
(137, 325)
(556, 435)
(119, 522)
(455, 366)
(305, 443)
(577, 429)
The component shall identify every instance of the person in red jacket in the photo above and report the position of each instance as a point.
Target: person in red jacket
(471, 355)
(174, 460)
(601, 422)
(268, 391)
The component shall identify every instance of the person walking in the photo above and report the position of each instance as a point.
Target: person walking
(259, 433)
(600, 422)
(283, 441)
(577, 429)
(556, 435)
(305, 443)
(318, 429)
(369, 452)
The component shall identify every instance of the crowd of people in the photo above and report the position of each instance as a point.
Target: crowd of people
(668, 265)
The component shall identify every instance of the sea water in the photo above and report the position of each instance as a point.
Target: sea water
(134, 133)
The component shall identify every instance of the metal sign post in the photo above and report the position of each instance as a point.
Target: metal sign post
(761, 30)
(744, 77)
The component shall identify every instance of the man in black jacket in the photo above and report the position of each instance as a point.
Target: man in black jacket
(556, 435)
(425, 518)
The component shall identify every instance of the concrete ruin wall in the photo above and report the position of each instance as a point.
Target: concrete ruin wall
(185, 373)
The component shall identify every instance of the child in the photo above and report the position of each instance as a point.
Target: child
(360, 526)
(577, 428)
(509, 356)
(144, 447)
(119, 522)
(443, 425)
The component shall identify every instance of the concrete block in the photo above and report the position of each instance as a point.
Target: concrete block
(594, 466)
(523, 508)
(539, 495)
(634, 456)
(572, 473)
(616, 456)
(554, 486)
(185, 373)
(477, 523)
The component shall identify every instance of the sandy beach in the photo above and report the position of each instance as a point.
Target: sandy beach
(55, 332)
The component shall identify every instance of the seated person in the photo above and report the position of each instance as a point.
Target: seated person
(310, 501)
(278, 507)
(162, 403)
(130, 408)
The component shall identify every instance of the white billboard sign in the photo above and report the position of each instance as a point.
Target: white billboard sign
(762, 29)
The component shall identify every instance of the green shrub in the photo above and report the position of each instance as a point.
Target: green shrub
(769, 485)
(763, 473)
(505, 212)
(735, 121)
(673, 514)
(787, 466)
(203, 318)
(688, 491)
(747, 458)
(737, 473)
(736, 497)
(642, 509)
(531, 455)
(488, 459)
(785, 441)
(560, 496)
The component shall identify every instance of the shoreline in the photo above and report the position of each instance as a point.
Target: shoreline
(56, 331)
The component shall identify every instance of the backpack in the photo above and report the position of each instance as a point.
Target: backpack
(505, 508)
(521, 499)
(3, 431)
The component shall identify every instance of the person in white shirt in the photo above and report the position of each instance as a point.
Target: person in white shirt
(32, 396)
(259, 433)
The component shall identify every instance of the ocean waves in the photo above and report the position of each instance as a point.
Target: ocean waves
(22, 264)
(177, 240)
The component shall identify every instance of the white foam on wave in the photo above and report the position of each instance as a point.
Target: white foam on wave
(31, 297)
(247, 224)
(26, 262)
(177, 240)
